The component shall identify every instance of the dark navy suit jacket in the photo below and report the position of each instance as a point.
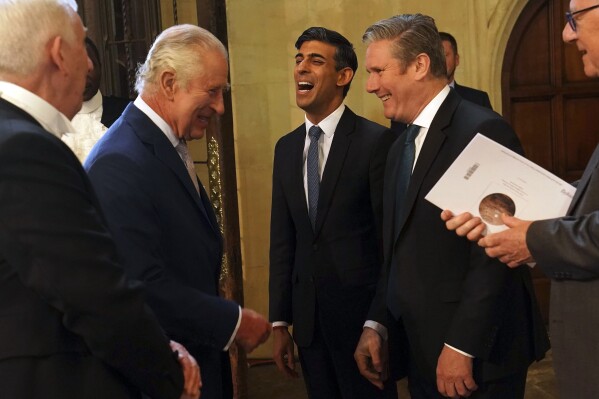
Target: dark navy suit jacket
(168, 237)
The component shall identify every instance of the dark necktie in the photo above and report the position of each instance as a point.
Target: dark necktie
(403, 180)
(312, 173)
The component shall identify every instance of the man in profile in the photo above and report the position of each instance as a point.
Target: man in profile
(72, 325)
(472, 328)
(157, 209)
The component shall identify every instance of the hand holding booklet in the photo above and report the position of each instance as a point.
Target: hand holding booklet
(488, 180)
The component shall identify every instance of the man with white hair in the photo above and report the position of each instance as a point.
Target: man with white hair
(158, 210)
(72, 325)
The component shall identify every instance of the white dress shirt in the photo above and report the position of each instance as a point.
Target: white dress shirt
(51, 119)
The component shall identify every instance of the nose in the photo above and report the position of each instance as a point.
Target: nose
(372, 84)
(218, 105)
(568, 34)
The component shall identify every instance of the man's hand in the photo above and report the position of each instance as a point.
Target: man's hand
(464, 224)
(283, 351)
(454, 374)
(253, 330)
(509, 245)
(191, 372)
(372, 357)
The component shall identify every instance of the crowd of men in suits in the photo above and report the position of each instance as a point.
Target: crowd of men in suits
(109, 271)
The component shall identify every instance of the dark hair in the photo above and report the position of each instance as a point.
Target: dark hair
(446, 37)
(345, 55)
(410, 34)
(91, 48)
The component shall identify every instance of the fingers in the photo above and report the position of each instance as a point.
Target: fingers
(253, 330)
(191, 370)
(370, 359)
(283, 352)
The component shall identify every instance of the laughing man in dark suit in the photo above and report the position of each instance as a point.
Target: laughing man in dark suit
(472, 325)
(325, 250)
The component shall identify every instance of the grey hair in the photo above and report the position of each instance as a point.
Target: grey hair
(26, 26)
(178, 49)
(411, 34)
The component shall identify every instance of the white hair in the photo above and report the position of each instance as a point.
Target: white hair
(26, 26)
(178, 49)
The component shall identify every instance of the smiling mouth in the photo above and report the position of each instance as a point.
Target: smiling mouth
(304, 87)
(385, 97)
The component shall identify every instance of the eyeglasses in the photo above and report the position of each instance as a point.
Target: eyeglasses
(570, 16)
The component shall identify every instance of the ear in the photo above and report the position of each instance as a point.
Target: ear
(56, 50)
(457, 60)
(422, 66)
(344, 76)
(168, 84)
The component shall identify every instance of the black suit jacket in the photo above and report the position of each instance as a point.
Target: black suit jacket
(475, 96)
(112, 109)
(168, 237)
(450, 291)
(72, 326)
(331, 272)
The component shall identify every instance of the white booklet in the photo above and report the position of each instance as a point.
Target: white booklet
(488, 179)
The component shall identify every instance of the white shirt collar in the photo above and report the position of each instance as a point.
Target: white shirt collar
(426, 116)
(92, 105)
(328, 124)
(42, 111)
(157, 119)
(452, 83)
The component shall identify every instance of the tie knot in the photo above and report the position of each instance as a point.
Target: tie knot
(314, 133)
(412, 132)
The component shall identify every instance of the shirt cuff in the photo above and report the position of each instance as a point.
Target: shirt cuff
(459, 351)
(280, 324)
(378, 327)
(226, 348)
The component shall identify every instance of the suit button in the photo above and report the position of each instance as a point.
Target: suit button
(315, 247)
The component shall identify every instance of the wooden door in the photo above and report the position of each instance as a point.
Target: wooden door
(550, 103)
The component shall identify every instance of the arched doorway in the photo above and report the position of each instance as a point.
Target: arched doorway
(548, 100)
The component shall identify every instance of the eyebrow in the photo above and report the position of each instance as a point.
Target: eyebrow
(311, 55)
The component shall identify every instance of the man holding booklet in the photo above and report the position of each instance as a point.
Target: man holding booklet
(565, 248)
(472, 325)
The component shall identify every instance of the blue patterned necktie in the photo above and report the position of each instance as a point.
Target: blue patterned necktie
(312, 173)
(403, 180)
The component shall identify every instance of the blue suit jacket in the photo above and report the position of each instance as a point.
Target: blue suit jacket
(168, 237)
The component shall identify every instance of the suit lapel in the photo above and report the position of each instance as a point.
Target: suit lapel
(163, 149)
(428, 153)
(584, 180)
(334, 164)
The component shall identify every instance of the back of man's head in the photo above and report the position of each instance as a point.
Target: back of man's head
(26, 27)
(411, 34)
(345, 55)
(179, 49)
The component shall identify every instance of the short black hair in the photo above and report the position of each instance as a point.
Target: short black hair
(449, 38)
(345, 55)
(91, 47)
